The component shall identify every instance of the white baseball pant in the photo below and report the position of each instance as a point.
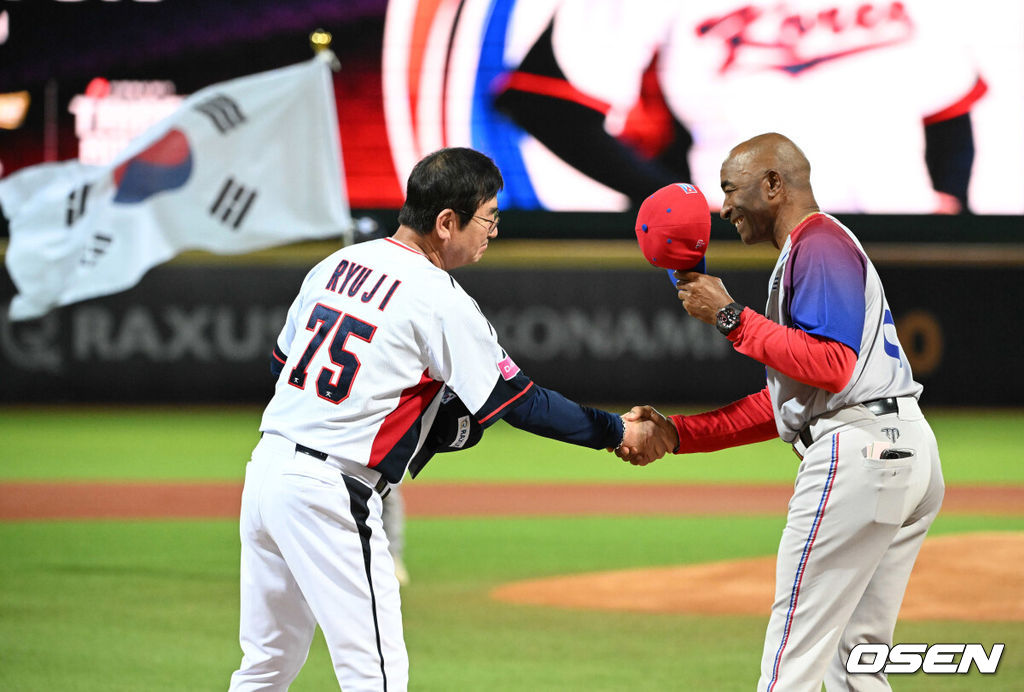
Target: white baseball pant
(314, 552)
(854, 529)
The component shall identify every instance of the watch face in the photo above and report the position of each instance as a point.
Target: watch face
(727, 319)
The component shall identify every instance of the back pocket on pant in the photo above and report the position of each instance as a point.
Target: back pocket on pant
(891, 479)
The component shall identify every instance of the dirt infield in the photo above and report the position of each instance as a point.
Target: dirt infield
(973, 577)
(33, 501)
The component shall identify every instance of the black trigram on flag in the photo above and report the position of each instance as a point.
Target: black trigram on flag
(96, 248)
(233, 203)
(222, 111)
(76, 204)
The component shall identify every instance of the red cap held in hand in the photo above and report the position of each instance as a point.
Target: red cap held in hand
(673, 227)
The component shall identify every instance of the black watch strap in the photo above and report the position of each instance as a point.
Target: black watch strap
(728, 318)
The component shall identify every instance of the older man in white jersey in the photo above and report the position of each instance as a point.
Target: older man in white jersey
(379, 337)
(840, 390)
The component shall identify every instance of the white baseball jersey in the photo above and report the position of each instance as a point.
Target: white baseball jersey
(824, 284)
(371, 338)
(373, 335)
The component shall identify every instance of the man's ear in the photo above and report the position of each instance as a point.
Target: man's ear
(772, 184)
(446, 223)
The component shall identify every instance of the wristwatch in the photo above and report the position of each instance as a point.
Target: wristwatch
(728, 318)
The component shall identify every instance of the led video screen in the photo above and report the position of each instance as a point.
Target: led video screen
(912, 107)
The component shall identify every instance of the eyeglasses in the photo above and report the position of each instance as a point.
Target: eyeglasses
(490, 221)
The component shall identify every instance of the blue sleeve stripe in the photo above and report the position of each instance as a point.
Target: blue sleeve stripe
(277, 361)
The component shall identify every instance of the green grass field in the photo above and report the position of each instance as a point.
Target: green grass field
(152, 605)
(208, 443)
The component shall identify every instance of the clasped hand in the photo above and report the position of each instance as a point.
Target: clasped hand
(648, 436)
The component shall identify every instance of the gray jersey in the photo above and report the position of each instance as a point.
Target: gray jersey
(824, 284)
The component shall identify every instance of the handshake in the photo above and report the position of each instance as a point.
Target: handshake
(648, 436)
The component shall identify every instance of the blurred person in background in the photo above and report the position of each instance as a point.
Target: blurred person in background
(639, 94)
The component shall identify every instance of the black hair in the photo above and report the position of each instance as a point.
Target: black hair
(455, 178)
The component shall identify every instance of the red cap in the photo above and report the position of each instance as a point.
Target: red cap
(673, 227)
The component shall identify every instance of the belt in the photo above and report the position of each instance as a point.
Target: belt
(382, 486)
(879, 407)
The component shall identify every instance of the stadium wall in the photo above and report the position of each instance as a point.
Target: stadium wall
(589, 320)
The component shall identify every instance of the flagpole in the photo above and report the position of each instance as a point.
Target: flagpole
(320, 43)
(50, 125)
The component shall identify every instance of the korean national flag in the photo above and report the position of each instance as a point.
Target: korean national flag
(240, 166)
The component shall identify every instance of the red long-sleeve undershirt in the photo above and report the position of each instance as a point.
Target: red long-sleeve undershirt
(809, 359)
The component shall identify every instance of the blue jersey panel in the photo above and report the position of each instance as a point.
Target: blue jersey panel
(825, 285)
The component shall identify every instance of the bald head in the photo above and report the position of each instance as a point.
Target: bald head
(767, 186)
(774, 152)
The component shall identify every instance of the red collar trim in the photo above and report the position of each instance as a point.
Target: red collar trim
(404, 246)
(804, 224)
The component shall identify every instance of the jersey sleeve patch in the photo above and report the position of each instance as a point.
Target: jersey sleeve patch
(508, 368)
(825, 285)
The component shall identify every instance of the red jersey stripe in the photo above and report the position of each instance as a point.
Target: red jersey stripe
(411, 405)
(505, 405)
